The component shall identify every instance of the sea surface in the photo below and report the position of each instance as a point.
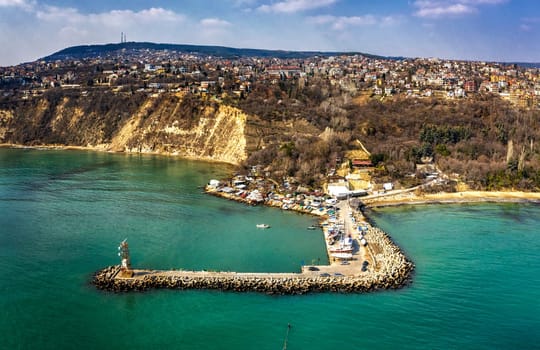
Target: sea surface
(63, 214)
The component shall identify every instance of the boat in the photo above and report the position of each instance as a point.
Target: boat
(345, 256)
(312, 227)
(263, 226)
(342, 249)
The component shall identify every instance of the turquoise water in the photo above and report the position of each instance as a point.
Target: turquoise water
(63, 214)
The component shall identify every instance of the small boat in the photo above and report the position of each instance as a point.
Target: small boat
(263, 226)
(312, 227)
(345, 256)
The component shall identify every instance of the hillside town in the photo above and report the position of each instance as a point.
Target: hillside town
(155, 71)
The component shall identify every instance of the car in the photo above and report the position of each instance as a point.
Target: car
(331, 201)
(364, 266)
(338, 274)
(324, 274)
(313, 268)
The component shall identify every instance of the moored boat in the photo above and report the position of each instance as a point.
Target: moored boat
(341, 249)
(344, 256)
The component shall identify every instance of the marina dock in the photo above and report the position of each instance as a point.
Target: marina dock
(375, 262)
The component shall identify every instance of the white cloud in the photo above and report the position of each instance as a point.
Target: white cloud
(440, 8)
(292, 6)
(14, 3)
(214, 22)
(112, 18)
(531, 19)
(529, 23)
(24, 4)
(482, 2)
(239, 3)
(45, 29)
(344, 22)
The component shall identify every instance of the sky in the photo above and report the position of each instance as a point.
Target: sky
(480, 30)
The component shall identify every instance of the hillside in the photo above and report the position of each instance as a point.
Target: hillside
(92, 51)
(475, 124)
(484, 142)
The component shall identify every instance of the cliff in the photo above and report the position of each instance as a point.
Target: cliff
(169, 123)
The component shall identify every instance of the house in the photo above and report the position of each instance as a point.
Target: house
(361, 163)
(338, 187)
(388, 186)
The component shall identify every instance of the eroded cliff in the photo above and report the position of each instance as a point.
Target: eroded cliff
(170, 123)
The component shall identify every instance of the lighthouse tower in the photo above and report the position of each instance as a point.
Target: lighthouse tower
(125, 262)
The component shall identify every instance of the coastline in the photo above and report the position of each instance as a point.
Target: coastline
(106, 149)
(395, 198)
(411, 198)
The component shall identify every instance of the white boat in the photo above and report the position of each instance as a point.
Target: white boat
(341, 249)
(345, 256)
(263, 226)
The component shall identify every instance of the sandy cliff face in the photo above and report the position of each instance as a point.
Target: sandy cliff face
(167, 123)
(214, 133)
(5, 118)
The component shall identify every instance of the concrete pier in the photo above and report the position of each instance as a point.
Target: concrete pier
(386, 268)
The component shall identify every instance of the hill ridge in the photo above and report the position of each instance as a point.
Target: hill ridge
(96, 50)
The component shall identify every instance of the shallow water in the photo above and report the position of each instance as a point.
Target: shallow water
(64, 212)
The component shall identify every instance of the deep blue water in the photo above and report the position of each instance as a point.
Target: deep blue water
(63, 213)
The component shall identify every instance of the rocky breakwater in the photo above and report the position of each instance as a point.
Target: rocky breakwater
(392, 269)
(238, 283)
(390, 276)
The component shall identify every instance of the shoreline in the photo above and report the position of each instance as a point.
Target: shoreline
(464, 197)
(398, 198)
(105, 149)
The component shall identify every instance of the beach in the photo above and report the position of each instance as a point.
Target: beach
(409, 198)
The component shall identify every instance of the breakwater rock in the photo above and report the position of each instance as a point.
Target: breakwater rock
(301, 283)
(385, 267)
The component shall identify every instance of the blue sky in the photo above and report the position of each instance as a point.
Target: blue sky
(491, 30)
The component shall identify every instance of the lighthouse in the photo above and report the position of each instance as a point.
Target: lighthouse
(125, 262)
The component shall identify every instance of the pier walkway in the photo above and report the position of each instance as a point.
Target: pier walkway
(384, 267)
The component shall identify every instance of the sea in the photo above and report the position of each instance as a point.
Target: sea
(63, 214)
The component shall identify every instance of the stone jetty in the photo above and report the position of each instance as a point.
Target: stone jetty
(375, 263)
(300, 283)
(388, 268)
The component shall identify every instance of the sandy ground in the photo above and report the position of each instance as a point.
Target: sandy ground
(400, 198)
